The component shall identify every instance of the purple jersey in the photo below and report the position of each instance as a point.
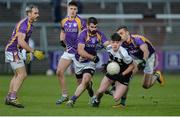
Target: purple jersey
(133, 47)
(72, 29)
(23, 26)
(91, 42)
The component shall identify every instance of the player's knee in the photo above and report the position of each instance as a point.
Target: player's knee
(22, 75)
(116, 98)
(60, 73)
(145, 86)
(100, 91)
(85, 83)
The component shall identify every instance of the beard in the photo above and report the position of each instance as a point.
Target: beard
(93, 32)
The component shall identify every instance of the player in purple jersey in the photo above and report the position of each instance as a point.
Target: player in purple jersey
(71, 26)
(143, 52)
(13, 55)
(120, 55)
(86, 58)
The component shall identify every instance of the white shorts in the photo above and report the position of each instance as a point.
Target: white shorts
(9, 58)
(150, 64)
(79, 67)
(16, 65)
(68, 56)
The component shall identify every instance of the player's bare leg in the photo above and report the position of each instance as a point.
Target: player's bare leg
(62, 66)
(12, 82)
(150, 79)
(120, 92)
(15, 84)
(10, 89)
(80, 89)
(105, 83)
(21, 75)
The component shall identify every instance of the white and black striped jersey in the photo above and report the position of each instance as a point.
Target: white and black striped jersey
(121, 56)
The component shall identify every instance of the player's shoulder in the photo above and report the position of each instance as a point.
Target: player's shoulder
(80, 20)
(121, 48)
(109, 48)
(123, 51)
(77, 16)
(84, 31)
(64, 20)
(137, 36)
(23, 21)
(100, 32)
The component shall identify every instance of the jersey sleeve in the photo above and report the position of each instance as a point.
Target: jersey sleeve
(104, 39)
(139, 41)
(126, 57)
(63, 21)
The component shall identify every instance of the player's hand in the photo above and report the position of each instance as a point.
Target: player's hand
(142, 65)
(63, 44)
(96, 59)
(29, 57)
(38, 54)
(104, 67)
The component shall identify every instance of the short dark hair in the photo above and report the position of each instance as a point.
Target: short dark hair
(122, 27)
(29, 8)
(115, 37)
(73, 3)
(92, 20)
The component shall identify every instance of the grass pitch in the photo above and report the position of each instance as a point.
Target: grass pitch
(39, 94)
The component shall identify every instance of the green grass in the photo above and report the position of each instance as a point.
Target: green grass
(39, 94)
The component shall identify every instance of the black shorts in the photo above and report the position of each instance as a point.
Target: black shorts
(122, 79)
(90, 71)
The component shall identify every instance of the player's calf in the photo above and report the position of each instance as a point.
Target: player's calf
(90, 89)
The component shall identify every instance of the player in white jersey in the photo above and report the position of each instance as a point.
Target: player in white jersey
(120, 55)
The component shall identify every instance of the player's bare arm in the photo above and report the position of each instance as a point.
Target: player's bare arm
(22, 43)
(62, 38)
(83, 53)
(129, 69)
(145, 50)
(62, 35)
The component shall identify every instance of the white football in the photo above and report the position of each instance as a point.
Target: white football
(49, 72)
(113, 68)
